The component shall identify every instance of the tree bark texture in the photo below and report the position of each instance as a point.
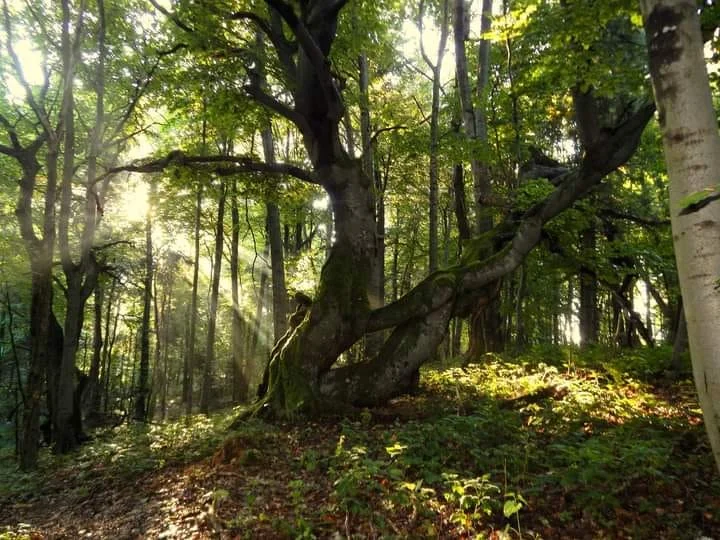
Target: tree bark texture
(692, 153)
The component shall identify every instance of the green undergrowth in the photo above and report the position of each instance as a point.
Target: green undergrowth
(588, 445)
(117, 454)
(550, 444)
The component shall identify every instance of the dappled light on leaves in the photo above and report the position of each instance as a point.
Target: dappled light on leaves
(350, 269)
(552, 443)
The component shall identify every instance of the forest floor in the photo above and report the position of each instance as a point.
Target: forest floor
(548, 445)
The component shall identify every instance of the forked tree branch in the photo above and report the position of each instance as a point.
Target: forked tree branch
(316, 56)
(275, 105)
(283, 47)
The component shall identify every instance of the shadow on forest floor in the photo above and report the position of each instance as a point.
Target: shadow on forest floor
(547, 445)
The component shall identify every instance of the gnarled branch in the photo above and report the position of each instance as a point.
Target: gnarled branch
(275, 105)
(469, 277)
(316, 56)
(284, 47)
(226, 165)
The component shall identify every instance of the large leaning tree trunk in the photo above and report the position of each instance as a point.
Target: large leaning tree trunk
(301, 377)
(692, 154)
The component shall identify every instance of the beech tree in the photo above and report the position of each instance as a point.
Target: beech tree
(692, 154)
(302, 375)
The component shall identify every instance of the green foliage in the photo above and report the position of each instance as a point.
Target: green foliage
(532, 192)
(123, 452)
(551, 443)
(474, 498)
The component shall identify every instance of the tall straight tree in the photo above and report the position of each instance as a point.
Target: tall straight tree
(206, 394)
(142, 391)
(239, 355)
(474, 119)
(692, 153)
(277, 257)
(485, 321)
(434, 171)
(93, 392)
(376, 293)
(190, 356)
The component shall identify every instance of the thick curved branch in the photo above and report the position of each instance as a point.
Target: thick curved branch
(624, 139)
(274, 105)
(317, 58)
(415, 342)
(322, 10)
(283, 47)
(227, 165)
(467, 278)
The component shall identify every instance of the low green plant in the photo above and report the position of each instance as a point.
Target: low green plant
(473, 499)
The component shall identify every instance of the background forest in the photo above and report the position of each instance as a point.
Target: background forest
(240, 209)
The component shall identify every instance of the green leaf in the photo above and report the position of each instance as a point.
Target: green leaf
(699, 199)
(511, 507)
(396, 449)
(636, 19)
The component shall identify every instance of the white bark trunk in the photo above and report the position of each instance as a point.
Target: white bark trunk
(692, 153)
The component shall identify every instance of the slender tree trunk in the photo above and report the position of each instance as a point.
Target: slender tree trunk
(457, 337)
(254, 335)
(143, 386)
(692, 153)
(376, 292)
(395, 271)
(521, 338)
(158, 381)
(162, 341)
(239, 356)
(434, 173)
(474, 118)
(485, 324)
(274, 232)
(190, 354)
(681, 342)
(589, 321)
(208, 386)
(110, 336)
(277, 263)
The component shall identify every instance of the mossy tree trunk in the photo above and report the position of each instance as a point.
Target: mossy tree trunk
(301, 376)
